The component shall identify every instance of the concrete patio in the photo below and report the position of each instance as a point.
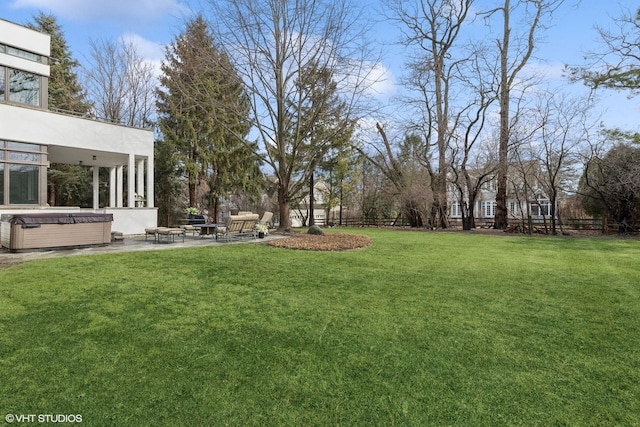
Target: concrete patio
(131, 243)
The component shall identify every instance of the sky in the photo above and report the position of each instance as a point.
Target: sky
(151, 24)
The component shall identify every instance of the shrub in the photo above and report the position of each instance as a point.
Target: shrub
(315, 230)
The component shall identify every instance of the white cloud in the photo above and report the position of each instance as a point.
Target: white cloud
(146, 48)
(383, 83)
(140, 11)
(549, 71)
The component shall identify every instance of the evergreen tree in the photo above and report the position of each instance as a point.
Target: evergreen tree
(317, 118)
(65, 93)
(203, 112)
(167, 184)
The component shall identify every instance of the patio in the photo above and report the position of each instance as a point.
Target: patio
(131, 243)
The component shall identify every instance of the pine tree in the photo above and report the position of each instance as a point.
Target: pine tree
(203, 111)
(65, 93)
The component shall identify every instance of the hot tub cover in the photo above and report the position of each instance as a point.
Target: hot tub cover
(57, 218)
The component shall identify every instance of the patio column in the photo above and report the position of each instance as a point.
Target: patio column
(131, 181)
(119, 186)
(140, 178)
(112, 187)
(150, 187)
(96, 187)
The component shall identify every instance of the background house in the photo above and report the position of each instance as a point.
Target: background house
(525, 196)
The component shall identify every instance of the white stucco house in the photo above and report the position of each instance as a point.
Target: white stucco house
(32, 137)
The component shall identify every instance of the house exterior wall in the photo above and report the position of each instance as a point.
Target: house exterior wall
(24, 124)
(533, 201)
(64, 138)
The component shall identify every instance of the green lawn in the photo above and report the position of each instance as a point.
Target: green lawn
(419, 329)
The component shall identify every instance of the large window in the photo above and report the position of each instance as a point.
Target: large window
(21, 166)
(23, 182)
(24, 87)
(20, 86)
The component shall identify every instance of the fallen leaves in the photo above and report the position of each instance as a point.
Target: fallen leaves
(326, 242)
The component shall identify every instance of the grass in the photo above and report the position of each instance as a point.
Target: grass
(418, 329)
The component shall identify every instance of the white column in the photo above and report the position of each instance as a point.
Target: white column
(140, 178)
(119, 187)
(150, 187)
(112, 187)
(96, 187)
(131, 181)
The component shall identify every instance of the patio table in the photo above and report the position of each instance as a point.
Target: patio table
(208, 229)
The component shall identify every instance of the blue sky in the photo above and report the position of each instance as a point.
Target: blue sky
(153, 23)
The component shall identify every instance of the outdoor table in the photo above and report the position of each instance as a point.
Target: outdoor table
(208, 229)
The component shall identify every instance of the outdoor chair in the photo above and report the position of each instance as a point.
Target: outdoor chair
(266, 218)
(238, 226)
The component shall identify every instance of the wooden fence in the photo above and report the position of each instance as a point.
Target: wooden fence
(538, 223)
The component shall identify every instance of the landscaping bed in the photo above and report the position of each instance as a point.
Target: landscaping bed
(326, 242)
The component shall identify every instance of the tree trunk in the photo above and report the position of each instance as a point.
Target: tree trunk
(311, 201)
(192, 192)
(283, 207)
(52, 195)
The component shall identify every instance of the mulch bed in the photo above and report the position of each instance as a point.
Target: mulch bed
(326, 242)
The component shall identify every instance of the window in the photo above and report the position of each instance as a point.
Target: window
(22, 53)
(514, 209)
(541, 207)
(20, 168)
(455, 209)
(24, 87)
(23, 183)
(2, 88)
(491, 185)
(488, 209)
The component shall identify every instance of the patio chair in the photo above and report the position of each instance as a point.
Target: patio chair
(266, 218)
(238, 226)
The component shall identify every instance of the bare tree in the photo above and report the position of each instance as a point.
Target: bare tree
(433, 27)
(472, 164)
(515, 50)
(120, 83)
(271, 44)
(565, 126)
(402, 169)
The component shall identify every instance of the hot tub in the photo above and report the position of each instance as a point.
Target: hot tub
(55, 230)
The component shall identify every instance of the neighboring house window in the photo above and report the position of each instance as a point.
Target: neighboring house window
(455, 209)
(513, 209)
(489, 209)
(541, 207)
(21, 166)
(490, 185)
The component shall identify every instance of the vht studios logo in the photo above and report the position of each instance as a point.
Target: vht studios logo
(43, 418)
